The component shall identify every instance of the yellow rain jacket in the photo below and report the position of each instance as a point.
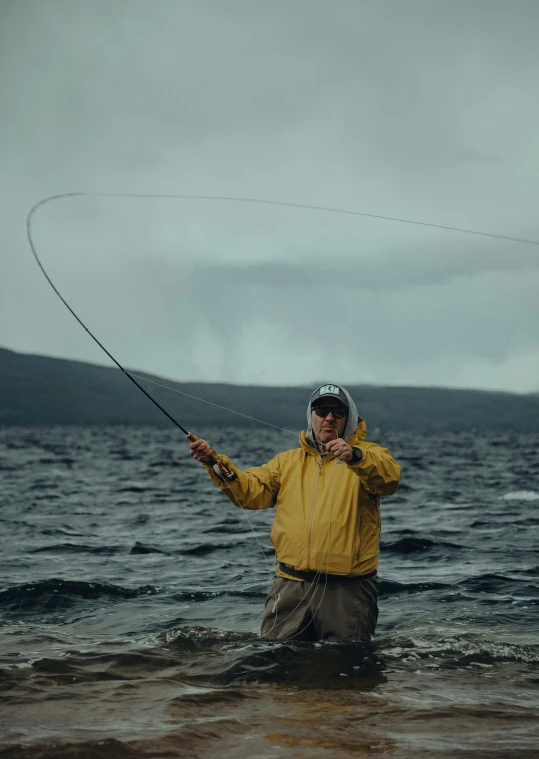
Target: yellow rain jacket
(327, 512)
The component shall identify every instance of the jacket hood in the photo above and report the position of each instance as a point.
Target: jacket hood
(354, 423)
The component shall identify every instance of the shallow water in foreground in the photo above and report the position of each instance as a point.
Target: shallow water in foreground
(132, 592)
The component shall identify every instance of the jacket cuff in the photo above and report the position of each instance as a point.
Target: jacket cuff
(357, 456)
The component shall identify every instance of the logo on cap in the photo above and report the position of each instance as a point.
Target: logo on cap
(332, 389)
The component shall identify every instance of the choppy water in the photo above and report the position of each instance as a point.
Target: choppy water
(132, 592)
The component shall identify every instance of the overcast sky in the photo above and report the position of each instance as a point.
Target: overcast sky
(425, 110)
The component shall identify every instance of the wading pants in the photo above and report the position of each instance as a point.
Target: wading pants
(333, 609)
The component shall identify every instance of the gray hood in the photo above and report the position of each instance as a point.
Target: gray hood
(351, 422)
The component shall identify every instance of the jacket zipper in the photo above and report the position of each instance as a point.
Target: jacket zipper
(309, 535)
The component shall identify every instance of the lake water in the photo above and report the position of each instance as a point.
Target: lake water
(132, 591)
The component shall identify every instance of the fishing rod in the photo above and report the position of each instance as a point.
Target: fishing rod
(220, 469)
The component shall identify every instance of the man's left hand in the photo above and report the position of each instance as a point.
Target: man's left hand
(340, 449)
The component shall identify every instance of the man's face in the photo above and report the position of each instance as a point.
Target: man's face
(329, 427)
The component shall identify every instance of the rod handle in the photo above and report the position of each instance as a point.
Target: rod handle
(219, 468)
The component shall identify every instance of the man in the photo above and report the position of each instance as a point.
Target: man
(326, 530)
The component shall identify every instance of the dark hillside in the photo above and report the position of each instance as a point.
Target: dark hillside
(36, 390)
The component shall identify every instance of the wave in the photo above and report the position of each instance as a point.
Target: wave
(204, 549)
(54, 594)
(247, 658)
(489, 583)
(204, 636)
(143, 548)
(417, 545)
(231, 527)
(67, 460)
(388, 588)
(521, 495)
(456, 651)
(194, 596)
(77, 548)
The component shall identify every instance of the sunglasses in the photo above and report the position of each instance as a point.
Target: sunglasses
(323, 411)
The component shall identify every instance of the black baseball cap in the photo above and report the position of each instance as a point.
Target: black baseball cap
(325, 392)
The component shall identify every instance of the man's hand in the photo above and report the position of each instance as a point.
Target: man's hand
(201, 451)
(340, 449)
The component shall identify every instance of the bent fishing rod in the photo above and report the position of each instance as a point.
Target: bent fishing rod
(214, 462)
(220, 469)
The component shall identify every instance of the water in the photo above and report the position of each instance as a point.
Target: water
(132, 592)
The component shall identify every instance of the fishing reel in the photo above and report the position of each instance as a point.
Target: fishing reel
(223, 472)
(218, 467)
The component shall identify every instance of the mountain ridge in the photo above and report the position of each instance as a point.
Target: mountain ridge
(41, 391)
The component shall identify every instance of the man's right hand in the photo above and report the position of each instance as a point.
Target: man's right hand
(201, 451)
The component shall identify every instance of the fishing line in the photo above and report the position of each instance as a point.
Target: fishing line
(326, 554)
(244, 512)
(265, 201)
(217, 198)
(311, 588)
(221, 198)
(210, 403)
(314, 582)
(217, 465)
(66, 304)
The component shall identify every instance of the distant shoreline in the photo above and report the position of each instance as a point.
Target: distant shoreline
(43, 391)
